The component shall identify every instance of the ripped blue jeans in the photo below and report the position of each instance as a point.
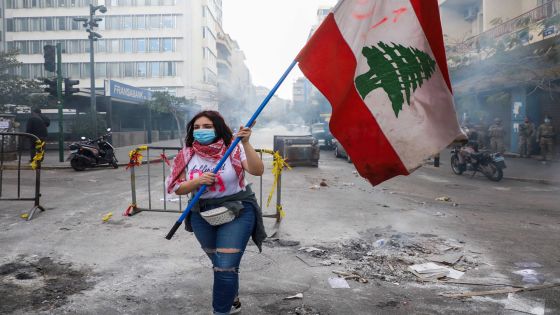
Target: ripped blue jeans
(225, 245)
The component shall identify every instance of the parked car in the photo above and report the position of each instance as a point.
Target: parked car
(339, 151)
(321, 132)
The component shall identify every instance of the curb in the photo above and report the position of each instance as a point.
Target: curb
(535, 180)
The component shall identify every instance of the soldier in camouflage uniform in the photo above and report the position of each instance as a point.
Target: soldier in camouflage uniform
(526, 132)
(497, 133)
(545, 138)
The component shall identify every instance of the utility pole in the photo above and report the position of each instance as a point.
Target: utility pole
(60, 102)
(93, 36)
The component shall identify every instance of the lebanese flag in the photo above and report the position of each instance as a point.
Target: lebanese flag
(382, 66)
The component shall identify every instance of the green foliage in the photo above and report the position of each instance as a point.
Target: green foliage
(82, 126)
(396, 69)
(163, 102)
(13, 89)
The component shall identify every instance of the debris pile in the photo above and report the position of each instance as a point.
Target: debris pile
(395, 257)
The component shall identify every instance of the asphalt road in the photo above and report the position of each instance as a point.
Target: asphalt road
(125, 265)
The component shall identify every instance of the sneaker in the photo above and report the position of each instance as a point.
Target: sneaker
(236, 307)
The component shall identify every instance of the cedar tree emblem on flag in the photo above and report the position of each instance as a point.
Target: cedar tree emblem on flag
(396, 69)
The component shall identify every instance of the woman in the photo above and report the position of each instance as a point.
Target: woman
(208, 138)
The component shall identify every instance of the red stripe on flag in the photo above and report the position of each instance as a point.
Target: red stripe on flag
(427, 12)
(329, 63)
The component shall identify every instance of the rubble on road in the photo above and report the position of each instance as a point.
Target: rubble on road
(387, 255)
(304, 310)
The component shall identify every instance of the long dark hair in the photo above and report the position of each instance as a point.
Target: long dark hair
(222, 130)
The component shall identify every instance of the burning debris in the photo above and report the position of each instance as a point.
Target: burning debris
(39, 284)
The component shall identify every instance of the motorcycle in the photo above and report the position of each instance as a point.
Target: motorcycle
(489, 164)
(91, 153)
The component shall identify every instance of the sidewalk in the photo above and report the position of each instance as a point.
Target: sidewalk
(523, 169)
(51, 160)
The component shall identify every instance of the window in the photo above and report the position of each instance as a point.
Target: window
(101, 69)
(75, 25)
(127, 22)
(101, 46)
(141, 69)
(154, 21)
(113, 70)
(155, 69)
(61, 23)
(127, 43)
(141, 45)
(74, 70)
(49, 23)
(74, 47)
(167, 44)
(36, 24)
(140, 22)
(168, 70)
(167, 21)
(36, 47)
(129, 69)
(114, 45)
(85, 70)
(154, 44)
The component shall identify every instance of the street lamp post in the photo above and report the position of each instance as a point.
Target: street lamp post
(93, 36)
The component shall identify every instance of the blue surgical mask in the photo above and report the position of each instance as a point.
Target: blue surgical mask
(204, 136)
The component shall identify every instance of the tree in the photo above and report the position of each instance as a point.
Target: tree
(13, 89)
(163, 102)
(396, 69)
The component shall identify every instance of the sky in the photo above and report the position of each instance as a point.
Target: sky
(271, 33)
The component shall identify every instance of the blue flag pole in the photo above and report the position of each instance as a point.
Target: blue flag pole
(228, 152)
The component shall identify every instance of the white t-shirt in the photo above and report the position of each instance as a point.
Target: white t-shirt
(227, 182)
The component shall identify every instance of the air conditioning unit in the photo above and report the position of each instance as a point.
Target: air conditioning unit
(470, 14)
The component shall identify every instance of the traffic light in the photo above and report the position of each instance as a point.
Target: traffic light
(49, 52)
(69, 88)
(51, 86)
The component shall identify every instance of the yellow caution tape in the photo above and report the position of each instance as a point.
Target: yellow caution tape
(107, 217)
(39, 154)
(136, 157)
(280, 211)
(277, 166)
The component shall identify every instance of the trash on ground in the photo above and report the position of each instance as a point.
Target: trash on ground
(448, 258)
(338, 283)
(323, 183)
(379, 243)
(434, 271)
(439, 214)
(107, 217)
(500, 291)
(530, 276)
(526, 264)
(444, 198)
(524, 305)
(314, 187)
(304, 310)
(351, 276)
(294, 297)
(24, 216)
(313, 250)
(348, 184)
(278, 242)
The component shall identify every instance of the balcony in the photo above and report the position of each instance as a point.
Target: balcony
(534, 26)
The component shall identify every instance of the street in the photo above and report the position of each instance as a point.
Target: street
(67, 260)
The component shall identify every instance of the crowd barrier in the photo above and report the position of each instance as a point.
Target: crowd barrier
(12, 146)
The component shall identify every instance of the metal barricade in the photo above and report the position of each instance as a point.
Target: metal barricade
(11, 147)
(135, 208)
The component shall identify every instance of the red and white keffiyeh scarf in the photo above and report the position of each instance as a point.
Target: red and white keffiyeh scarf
(213, 152)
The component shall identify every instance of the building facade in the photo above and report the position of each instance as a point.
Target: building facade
(161, 45)
(502, 61)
